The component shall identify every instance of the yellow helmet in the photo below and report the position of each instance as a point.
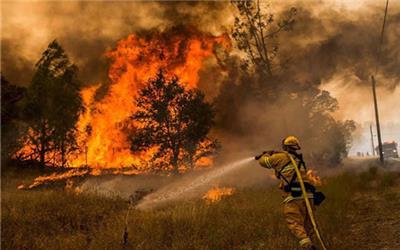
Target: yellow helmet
(292, 142)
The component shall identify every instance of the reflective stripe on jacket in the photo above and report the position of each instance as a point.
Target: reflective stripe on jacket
(284, 170)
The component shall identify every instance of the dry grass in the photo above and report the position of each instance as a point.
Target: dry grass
(250, 219)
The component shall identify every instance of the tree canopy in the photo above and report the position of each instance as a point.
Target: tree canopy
(11, 96)
(52, 107)
(175, 123)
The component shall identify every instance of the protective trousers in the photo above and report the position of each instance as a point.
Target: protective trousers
(299, 222)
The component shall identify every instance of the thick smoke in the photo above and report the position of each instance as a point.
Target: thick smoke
(324, 40)
(328, 43)
(325, 43)
(88, 29)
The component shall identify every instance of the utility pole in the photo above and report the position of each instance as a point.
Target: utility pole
(378, 127)
(372, 140)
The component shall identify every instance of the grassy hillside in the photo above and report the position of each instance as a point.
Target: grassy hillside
(250, 219)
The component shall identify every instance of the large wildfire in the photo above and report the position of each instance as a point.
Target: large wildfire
(318, 57)
(101, 137)
(135, 60)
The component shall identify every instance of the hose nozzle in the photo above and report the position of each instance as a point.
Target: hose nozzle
(257, 157)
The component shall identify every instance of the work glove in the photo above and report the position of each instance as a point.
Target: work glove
(257, 157)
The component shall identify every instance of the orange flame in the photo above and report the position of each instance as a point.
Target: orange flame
(135, 60)
(38, 181)
(313, 178)
(69, 184)
(101, 137)
(78, 190)
(216, 194)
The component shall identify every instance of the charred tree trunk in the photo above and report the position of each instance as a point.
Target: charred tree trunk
(42, 156)
(175, 161)
(42, 151)
(62, 153)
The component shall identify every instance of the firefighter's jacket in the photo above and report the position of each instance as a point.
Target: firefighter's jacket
(284, 170)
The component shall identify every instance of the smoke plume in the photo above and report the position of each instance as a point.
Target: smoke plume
(333, 44)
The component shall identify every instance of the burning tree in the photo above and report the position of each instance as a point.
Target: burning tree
(52, 107)
(11, 95)
(180, 50)
(175, 123)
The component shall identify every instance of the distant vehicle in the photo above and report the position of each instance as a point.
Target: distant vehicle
(389, 150)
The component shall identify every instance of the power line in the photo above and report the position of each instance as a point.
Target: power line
(381, 38)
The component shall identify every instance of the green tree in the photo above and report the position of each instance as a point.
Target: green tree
(52, 107)
(174, 121)
(11, 95)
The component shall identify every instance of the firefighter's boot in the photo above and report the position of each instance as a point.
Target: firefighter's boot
(306, 244)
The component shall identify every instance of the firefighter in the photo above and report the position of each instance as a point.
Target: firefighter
(294, 207)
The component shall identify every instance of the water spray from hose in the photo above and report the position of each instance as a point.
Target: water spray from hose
(176, 190)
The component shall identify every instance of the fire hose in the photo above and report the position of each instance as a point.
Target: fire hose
(308, 205)
(125, 234)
